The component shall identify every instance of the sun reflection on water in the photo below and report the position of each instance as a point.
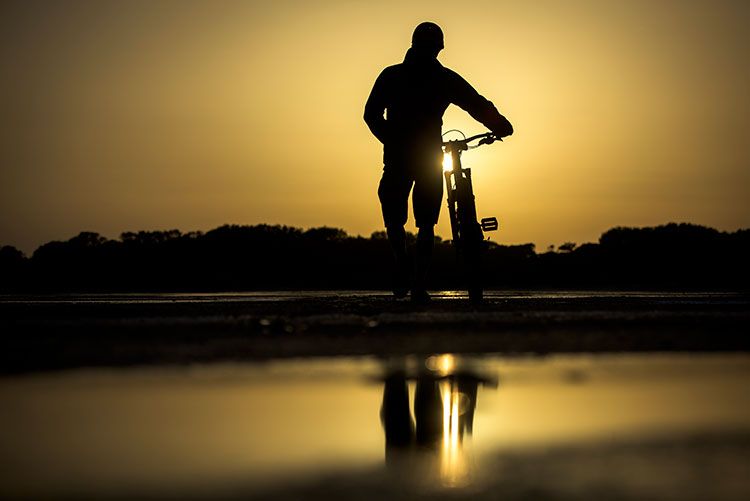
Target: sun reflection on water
(442, 364)
(454, 471)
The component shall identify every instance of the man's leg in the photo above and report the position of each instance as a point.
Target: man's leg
(428, 195)
(397, 239)
(393, 193)
(425, 243)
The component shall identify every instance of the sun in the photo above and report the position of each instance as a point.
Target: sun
(447, 162)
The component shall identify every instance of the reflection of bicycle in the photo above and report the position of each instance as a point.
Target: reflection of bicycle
(468, 237)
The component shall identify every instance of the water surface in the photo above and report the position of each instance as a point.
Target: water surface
(635, 425)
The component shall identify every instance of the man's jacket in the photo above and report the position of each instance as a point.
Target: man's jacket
(414, 95)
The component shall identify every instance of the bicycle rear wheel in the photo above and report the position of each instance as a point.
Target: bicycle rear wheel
(472, 257)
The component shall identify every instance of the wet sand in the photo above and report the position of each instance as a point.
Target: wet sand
(57, 332)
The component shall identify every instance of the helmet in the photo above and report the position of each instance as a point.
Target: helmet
(427, 36)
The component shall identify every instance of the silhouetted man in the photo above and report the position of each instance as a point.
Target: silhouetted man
(414, 96)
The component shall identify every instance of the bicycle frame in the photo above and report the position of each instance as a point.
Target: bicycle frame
(467, 232)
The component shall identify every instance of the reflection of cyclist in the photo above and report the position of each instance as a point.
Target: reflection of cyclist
(442, 418)
(414, 96)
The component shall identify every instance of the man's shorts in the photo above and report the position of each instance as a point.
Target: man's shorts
(394, 189)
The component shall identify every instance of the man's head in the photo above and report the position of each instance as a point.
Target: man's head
(427, 37)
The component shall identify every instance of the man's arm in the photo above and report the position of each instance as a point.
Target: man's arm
(480, 109)
(375, 109)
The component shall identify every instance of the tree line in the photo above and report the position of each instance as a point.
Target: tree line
(273, 257)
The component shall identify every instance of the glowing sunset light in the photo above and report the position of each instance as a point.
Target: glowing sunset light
(140, 115)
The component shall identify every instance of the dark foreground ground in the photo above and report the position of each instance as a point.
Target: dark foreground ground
(57, 332)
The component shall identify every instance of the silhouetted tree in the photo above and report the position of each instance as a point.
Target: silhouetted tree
(567, 247)
(12, 268)
(234, 257)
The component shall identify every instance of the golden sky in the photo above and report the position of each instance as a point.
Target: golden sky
(130, 115)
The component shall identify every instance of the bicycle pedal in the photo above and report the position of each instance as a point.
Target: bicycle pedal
(489, 224)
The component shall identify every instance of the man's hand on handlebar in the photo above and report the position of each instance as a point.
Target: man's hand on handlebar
(491, 139)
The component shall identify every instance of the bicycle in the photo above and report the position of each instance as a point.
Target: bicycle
(468, 233)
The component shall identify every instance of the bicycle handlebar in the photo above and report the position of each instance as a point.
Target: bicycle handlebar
(486, 138)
